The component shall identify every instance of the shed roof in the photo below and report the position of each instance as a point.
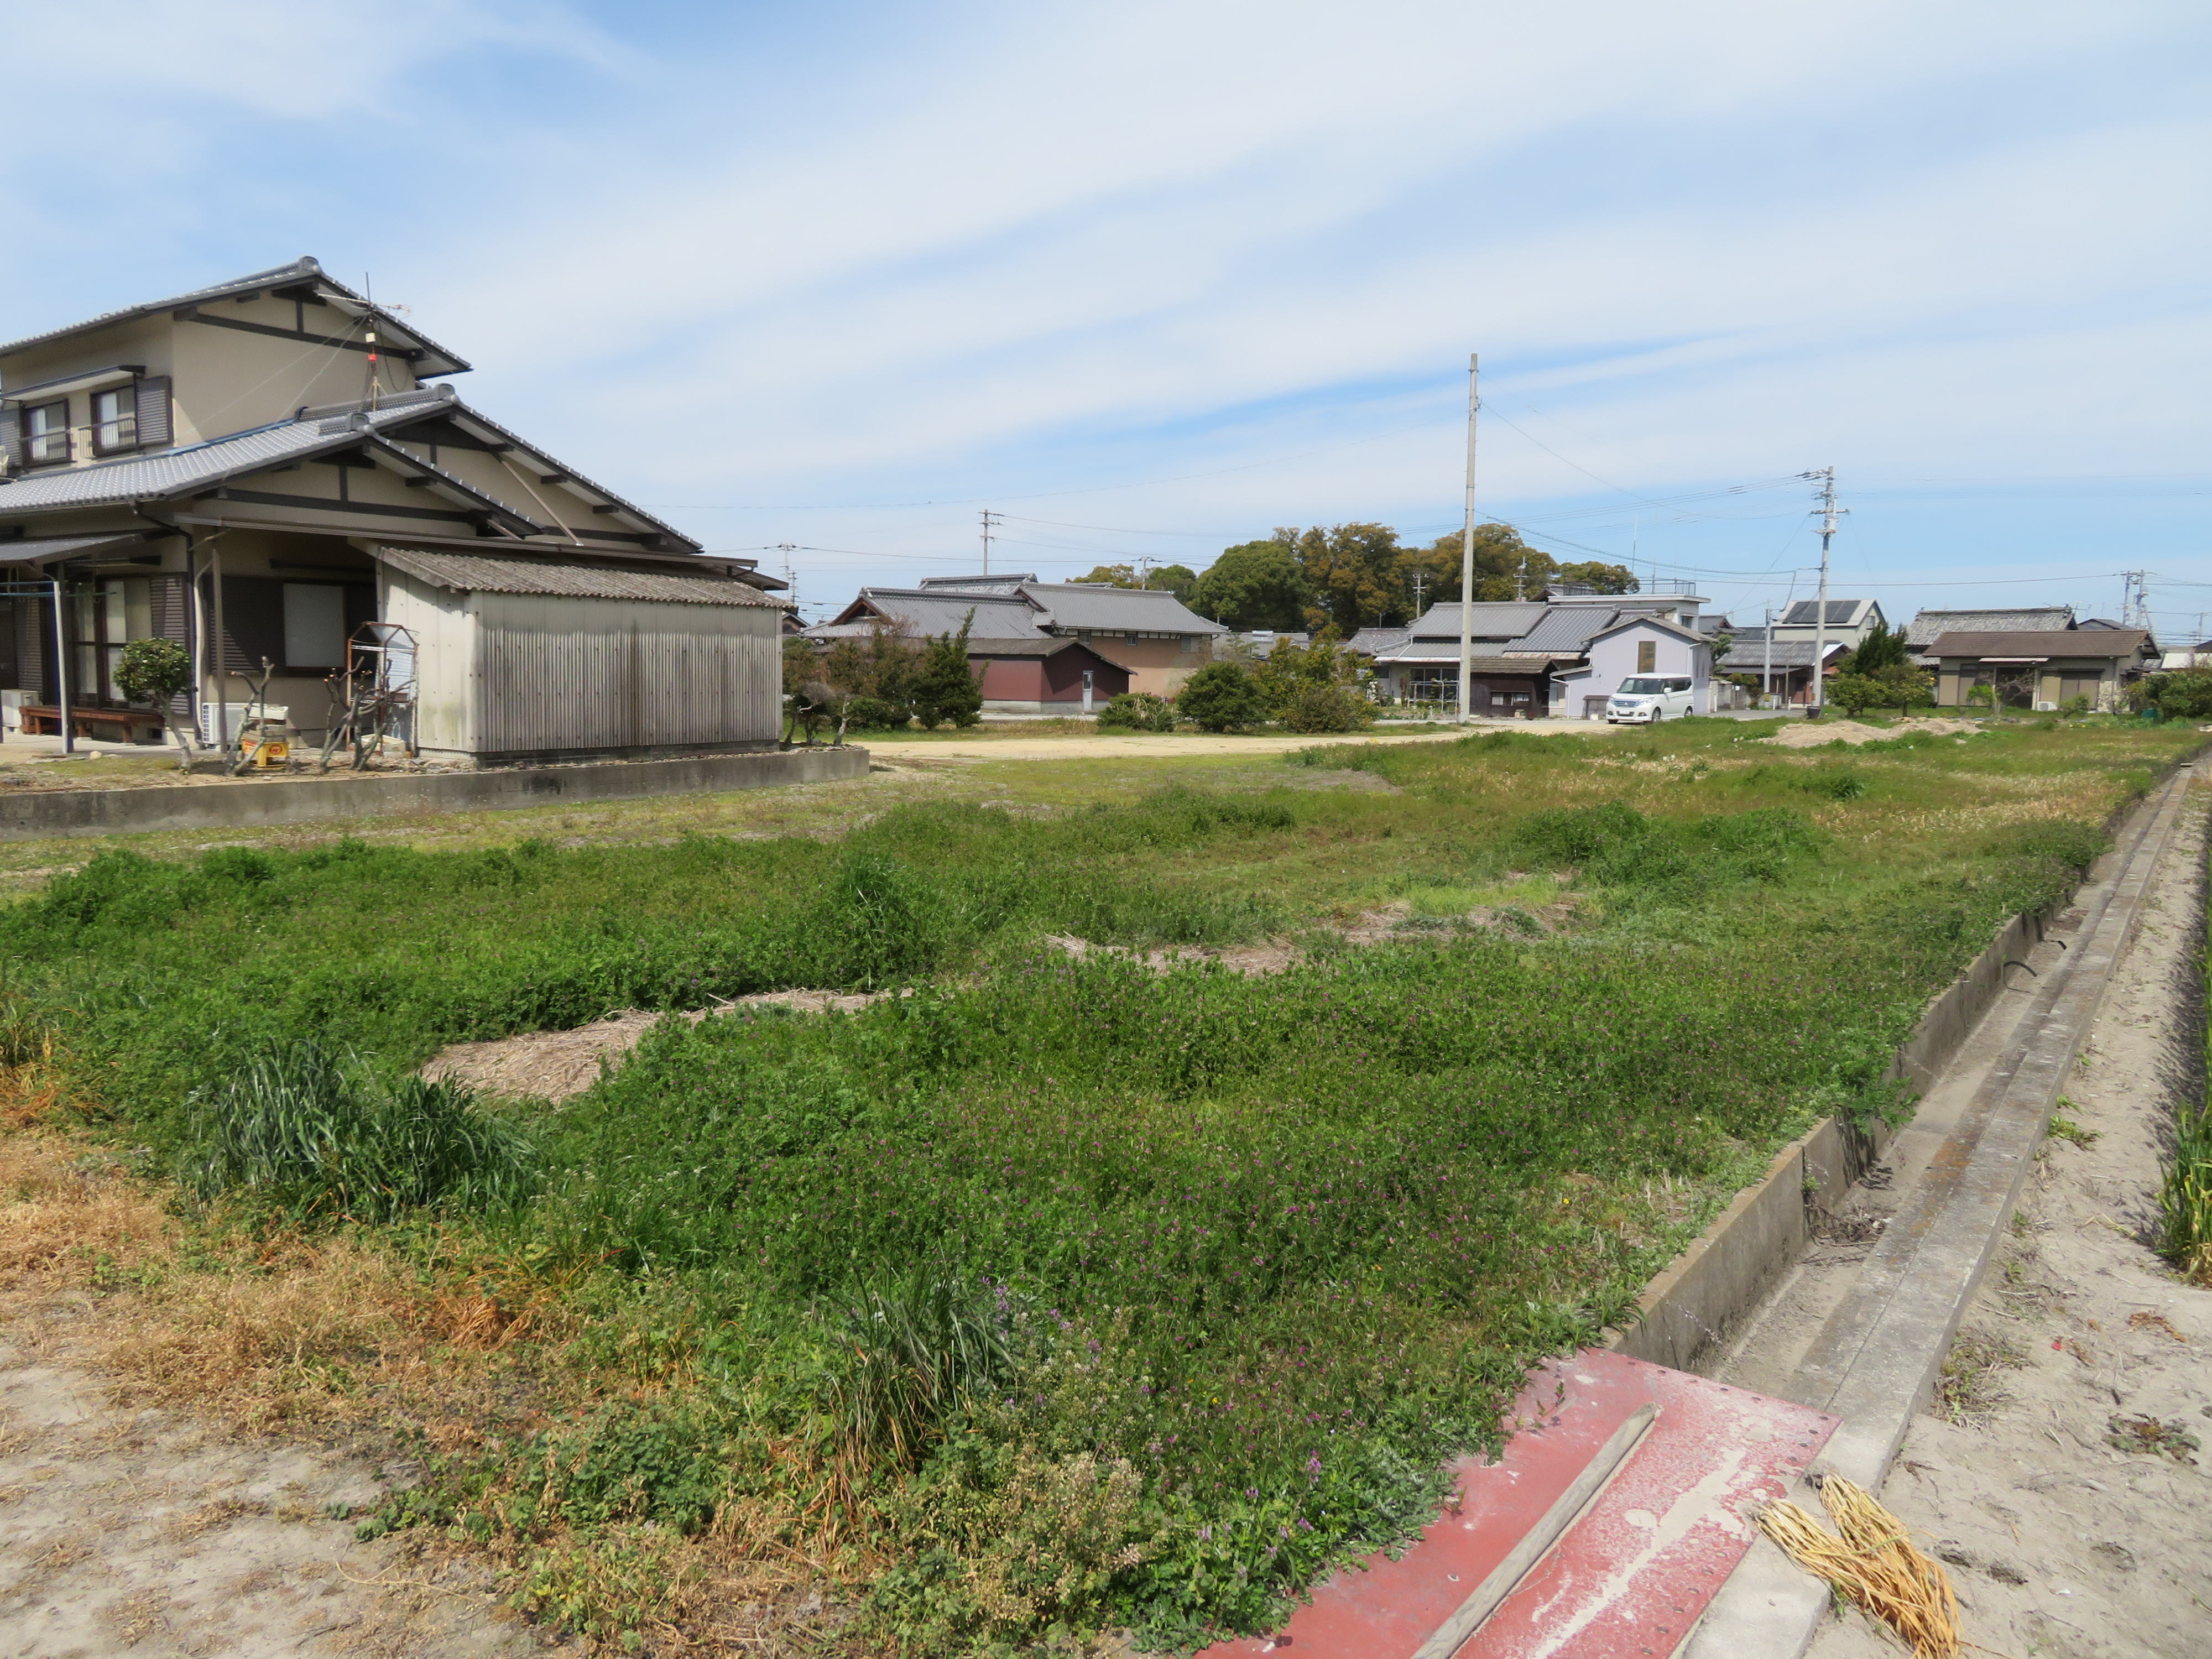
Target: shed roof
(1000, 585)
(1049, 647)
(2041, 643)
(483, 573)
(1117, 610)
(303, 273)
(1927, 624)
(1628, 621)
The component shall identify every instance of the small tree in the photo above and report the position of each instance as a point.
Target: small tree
(1883, 648)
(155, 670)
(1856, 693)
(878, 669)
(1222, 696)
(945, 689)
(1903, 686)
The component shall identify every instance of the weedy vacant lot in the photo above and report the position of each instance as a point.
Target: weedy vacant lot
(1054, 1291)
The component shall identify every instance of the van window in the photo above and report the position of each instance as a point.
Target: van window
(1640, 688)
(1678, 685)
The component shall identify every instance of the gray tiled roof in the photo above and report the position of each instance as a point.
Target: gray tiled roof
(1566, 627)
(936, 611)
(1117, 610)
(1508, 620)
(1747, 651)
(998, 585)
(2046, 643)
(1369, 641)
(168, 472)
(302, 270)
(1927, 624)
(480, 573)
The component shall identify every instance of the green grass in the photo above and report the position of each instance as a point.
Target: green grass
(1088, 1295)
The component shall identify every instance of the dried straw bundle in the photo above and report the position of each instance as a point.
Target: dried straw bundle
(1875, 1564)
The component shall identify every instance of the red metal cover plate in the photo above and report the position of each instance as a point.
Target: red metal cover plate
(1630, 1577)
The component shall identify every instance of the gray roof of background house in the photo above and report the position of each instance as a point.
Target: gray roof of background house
(2042, 642)
(1117, 610)
(1370, 641)
(1842, 613)
(480, 573)
(1492, 620)
(1000, 585)
(2034, 619)
(1748, 652)
(1567, 627)
(302, 270)
(938, 612)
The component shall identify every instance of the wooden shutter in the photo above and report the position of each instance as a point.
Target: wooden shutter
(11, 435)
(153, 424)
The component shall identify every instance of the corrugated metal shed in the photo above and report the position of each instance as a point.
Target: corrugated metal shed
(478, 572)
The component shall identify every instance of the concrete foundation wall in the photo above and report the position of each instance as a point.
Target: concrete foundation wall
(32, 816)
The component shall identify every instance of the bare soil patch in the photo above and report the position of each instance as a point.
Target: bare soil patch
(1815, 734)
(556, 1065)
(2054, 1470)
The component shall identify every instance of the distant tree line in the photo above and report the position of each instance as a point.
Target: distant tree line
(1340, 579)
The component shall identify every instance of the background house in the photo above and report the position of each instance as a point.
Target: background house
(1630, 647)
(1785, 670)
(1045, 675)
(1143, 633)
(1921, 631)
(1847, 620)
(254, 470)
(2040, 670)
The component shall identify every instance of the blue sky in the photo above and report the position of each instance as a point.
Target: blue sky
(1152, 278)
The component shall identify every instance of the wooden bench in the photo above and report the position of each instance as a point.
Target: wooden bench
(109, 725)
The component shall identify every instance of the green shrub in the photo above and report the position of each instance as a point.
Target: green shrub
(1137, 711)
(874, 714)
(2185, 694)
(916, 1348)
(1319, 709)
(305, 1132)
(1222, 696)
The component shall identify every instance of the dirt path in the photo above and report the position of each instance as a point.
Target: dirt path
(154, 1534)
(2060, 1541)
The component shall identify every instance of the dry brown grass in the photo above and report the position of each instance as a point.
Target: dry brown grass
(68, 1211)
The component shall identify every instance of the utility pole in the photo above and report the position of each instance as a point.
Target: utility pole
(1520, 580)
(790, 578)
(990, 521)
(1829, 513)
(2134, 600)
(1466, 550)
(1422, 576)
(1766, 674)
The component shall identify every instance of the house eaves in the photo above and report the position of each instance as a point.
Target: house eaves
(303, 278)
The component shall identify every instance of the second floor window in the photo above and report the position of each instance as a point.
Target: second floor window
(114, 420)
(45, 433)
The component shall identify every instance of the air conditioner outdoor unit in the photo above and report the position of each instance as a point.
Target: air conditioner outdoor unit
(2046, 708)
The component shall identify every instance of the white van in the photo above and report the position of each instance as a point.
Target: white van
(1647, 698)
